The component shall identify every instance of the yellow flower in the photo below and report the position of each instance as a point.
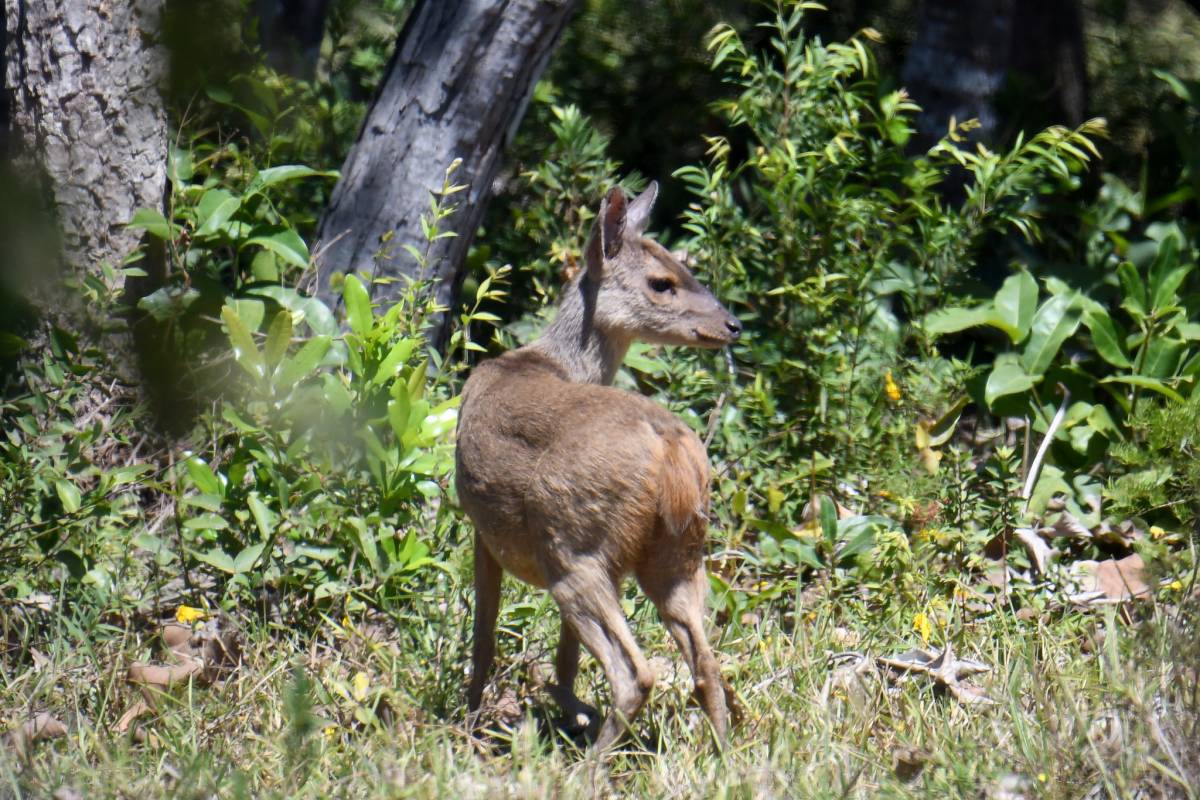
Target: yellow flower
(1042, 777)
(1157, 532)
(186, 615)
(1175, 586)
(361, 683)
(891, 388)
(923, 626)
(330, 731)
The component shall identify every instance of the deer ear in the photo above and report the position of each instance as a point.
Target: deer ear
(612, 221)
(638, 216)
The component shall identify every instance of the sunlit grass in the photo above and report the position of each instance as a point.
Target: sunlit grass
(1083, 703)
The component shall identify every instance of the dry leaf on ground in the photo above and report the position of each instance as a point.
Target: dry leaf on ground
(35, 729)
(1109, 581)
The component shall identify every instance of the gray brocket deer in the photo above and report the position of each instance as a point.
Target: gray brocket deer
(572, 484)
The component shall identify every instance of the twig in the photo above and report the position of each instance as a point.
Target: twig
(1036, 467)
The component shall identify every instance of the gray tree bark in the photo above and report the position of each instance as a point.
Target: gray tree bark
(964, 52)
(83, 83)
(457, 86)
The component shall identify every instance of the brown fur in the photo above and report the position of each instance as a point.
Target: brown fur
(572, 484)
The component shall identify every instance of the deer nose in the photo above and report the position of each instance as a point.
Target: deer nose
(734, 327)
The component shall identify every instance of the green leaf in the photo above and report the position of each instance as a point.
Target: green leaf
(283, 242)
(68, 493)
(953, 320)
(206, 522)
(215, 208)
(1152, 384)
(1133, 289)
(203, 477)
(1109, 344)
(1162, 357)
(358, 305)
(245, 352)
(1016, 303)
(392, 362)
(1166, 261)
(249, 310)
(1053, 324)
(827, 518)
(219, 559)
(246, 559)
(857, 534)
(264, 517)
(1165, 291)
(304, 363)
(286, 172)
(279, 337)
(398, 414)
(1008, 377)
(153, 223)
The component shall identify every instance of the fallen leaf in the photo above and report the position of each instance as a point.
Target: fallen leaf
(160, 676)
(139, 709)
(1035, 546)
(1109, 581)
(35, 729)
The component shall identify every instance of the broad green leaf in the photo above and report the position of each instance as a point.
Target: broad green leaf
(219, 559)
(245, 560)
(1109, 343)
(304, 363)
(1016, 303)
(358, 305)
(206, 522)
(245, 352)
(283, 242)
(68, 493)
(398, 414)
(1166, 261)
(179, 165)
(203, 476)
(286, 172)
(1134, 291)
(1008, 377)
(264, 517)
(1162, 357)
(1165, 290)
(857, 534)
(215, 208)
(1151, 384)
(153, 223)
(279, 337)
(416, 382)
(1054, 322)
(953, 320)
(249, 310)
(392, 362)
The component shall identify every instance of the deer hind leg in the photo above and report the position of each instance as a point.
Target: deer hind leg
(487, 606)
(679, 597)
(577, 715)
(591, 609)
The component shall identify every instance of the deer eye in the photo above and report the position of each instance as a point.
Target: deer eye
(661, 285)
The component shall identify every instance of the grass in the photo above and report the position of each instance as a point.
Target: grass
(1088, 704)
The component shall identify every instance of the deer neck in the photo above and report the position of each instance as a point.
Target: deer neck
(586, 353)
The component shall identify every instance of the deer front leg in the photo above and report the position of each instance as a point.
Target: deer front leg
(590, 607)
(679, 597)
(487, 607)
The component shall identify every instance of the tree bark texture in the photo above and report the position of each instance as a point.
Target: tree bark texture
(83, 82)
(457, 86)
(957, 64)
(965, 53)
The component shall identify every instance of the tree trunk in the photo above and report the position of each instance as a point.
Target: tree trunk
(965, 53)
(83, 79)
(957, 64)
(457, 87)
(291, 33)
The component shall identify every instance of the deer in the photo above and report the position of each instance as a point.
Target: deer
(572, 484)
